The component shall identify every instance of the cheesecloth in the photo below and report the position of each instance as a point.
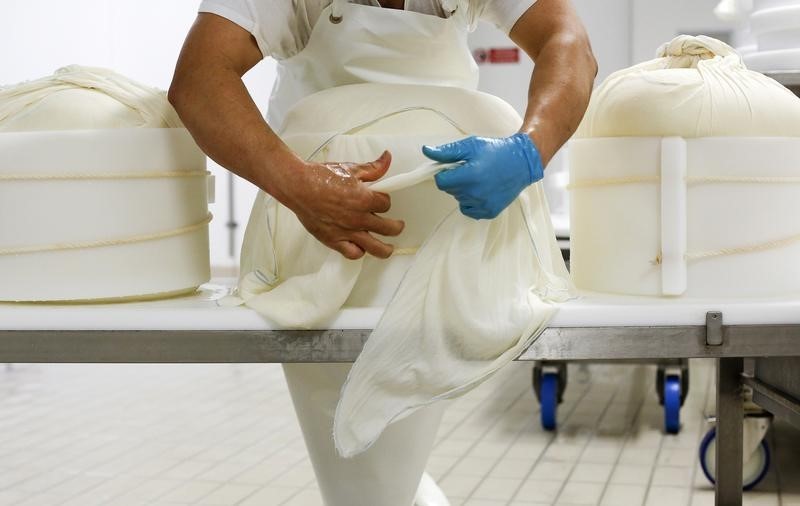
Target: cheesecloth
(466, 298)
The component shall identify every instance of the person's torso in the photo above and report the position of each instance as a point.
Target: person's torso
(430, 7)
(362, 42)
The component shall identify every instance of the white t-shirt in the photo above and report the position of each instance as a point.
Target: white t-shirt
(282, 27)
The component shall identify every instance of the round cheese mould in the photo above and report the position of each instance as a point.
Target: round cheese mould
(686, 217)
(102, 214)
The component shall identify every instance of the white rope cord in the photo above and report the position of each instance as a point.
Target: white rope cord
(755, 180)
(594, 183)
(753, 248)
(102, 175)
(108, 242)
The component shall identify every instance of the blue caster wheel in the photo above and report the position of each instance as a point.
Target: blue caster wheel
(548, 399)
(754, 469)
(549, 383)
(672, 404)
(672, 386)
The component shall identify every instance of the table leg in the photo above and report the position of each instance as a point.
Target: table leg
(730, 416)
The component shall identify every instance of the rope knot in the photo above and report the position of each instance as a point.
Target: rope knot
(687, 50)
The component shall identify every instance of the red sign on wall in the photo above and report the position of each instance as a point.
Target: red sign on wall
(497, 55)
(504, 55)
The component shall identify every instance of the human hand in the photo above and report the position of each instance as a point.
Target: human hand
(335, 206)
(493, 174)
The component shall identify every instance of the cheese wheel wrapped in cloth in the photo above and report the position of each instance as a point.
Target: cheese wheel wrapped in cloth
(696, 87)
(686, 169)
(103, 193)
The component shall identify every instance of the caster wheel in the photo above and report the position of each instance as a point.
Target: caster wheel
(548, 399)
(549, 383)
(661, 373)
(754, 469)
(558, 368)
(672, 404)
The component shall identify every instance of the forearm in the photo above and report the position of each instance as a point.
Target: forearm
(559, 92)
(216, 107)
(330, 200)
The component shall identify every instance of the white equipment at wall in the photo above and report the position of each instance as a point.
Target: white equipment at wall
(767, 32)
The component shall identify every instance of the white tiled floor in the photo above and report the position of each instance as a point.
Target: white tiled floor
(226, 435)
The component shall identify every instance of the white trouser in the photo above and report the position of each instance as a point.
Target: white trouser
(387, 474)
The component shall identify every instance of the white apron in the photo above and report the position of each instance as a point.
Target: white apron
(355, 44)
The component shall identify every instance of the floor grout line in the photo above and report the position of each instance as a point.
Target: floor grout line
(474, 444)
(547, 446)
(622, 448)
(203, 428)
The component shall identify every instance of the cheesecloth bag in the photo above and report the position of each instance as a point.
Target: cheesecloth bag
(462, 297)
(696, 87)
(77, 97)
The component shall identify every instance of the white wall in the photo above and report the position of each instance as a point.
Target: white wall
(608, 24)
(655, 22)
(138, 38)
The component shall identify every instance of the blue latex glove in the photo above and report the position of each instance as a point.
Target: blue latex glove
(494, 172)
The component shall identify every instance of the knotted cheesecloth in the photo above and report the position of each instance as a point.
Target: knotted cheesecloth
(696, 87)
(77, 97)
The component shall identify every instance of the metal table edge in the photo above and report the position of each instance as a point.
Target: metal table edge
(275, 346)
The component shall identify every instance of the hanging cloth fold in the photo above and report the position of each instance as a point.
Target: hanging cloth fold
(471, 299)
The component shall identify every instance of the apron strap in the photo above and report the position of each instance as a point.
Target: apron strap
(449, 6)
(337, 7)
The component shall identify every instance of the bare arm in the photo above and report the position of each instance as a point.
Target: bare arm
(329, 199)
(551, 33)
